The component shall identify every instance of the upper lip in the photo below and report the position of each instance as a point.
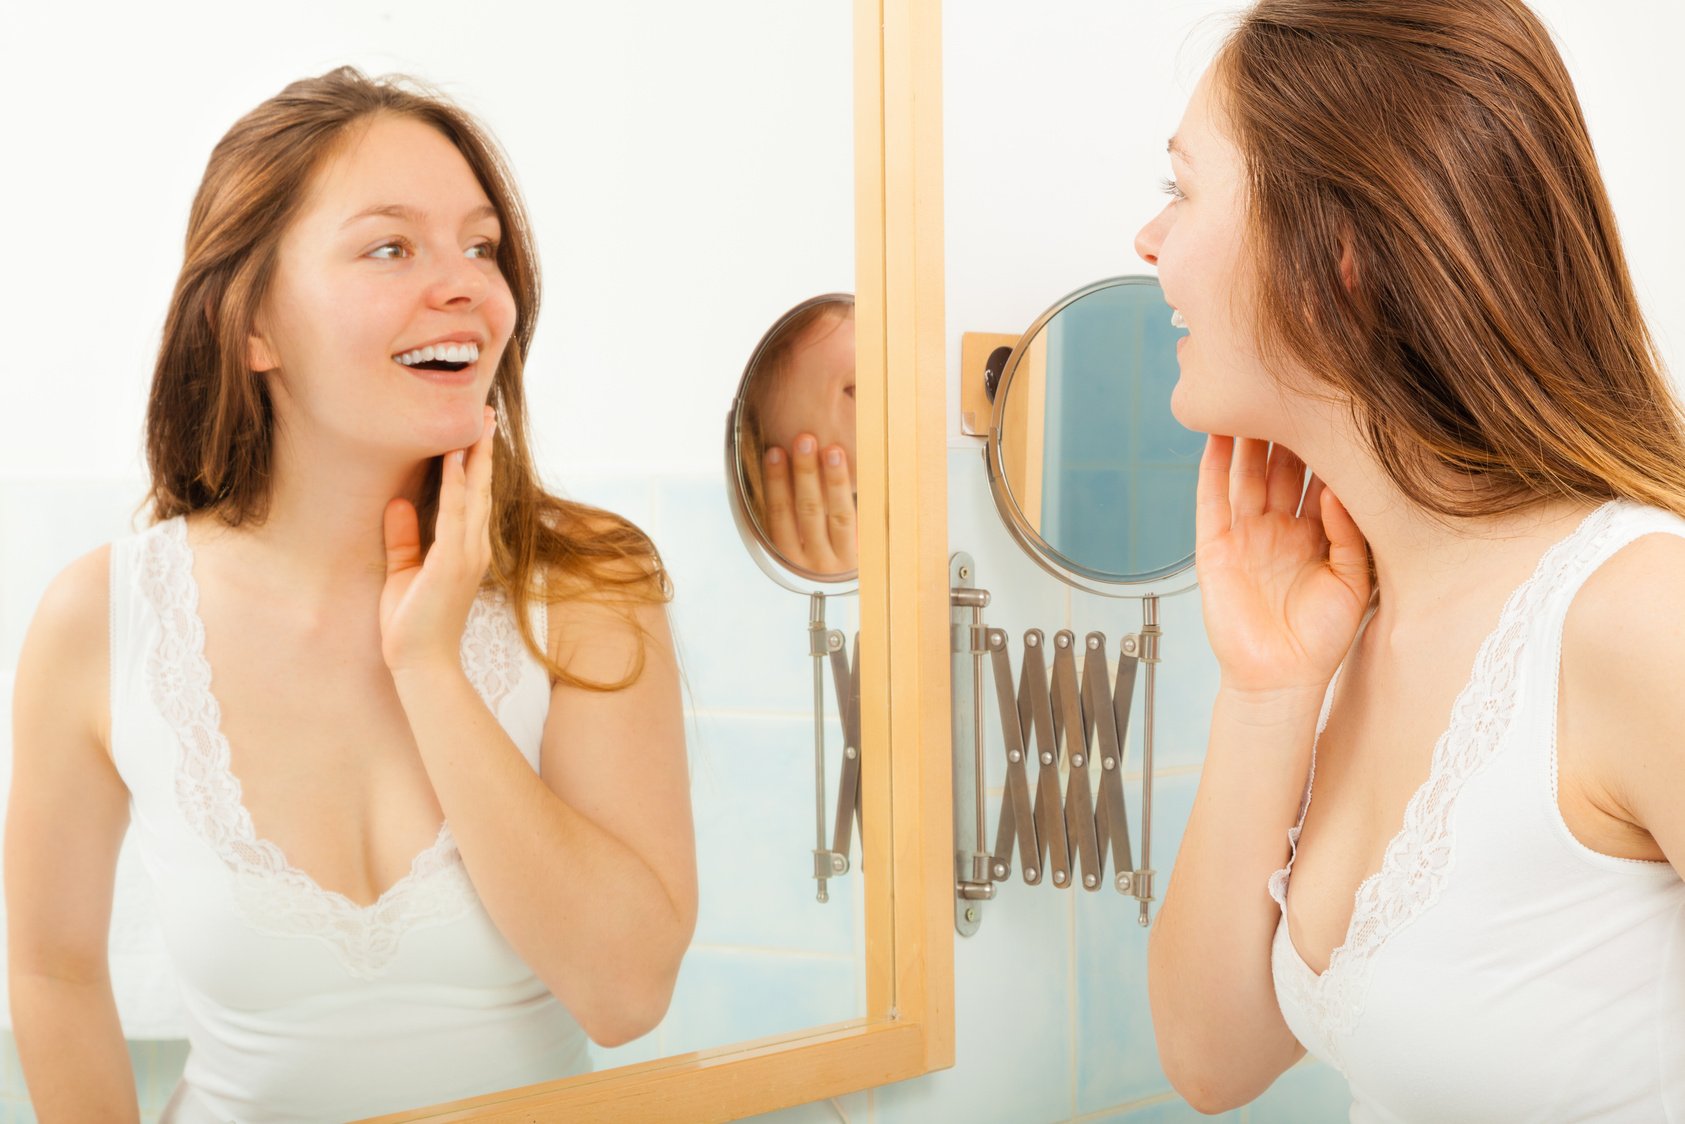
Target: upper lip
(474, 338)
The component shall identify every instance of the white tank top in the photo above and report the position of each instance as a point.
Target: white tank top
(1497, 969)
(300, 1004)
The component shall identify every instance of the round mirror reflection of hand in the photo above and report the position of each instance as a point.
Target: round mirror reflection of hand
(796, 439)
(810, 505)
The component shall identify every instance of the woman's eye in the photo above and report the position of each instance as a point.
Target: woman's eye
(1168, 186)
(486, 250)
(390, 251)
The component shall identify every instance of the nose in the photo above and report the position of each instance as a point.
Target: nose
(1150, 238)
(458, 282)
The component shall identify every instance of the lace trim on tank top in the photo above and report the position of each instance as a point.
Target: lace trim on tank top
(274, 896)
(1418, 859)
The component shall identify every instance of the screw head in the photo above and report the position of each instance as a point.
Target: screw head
(1062, 641)
(1015, 757)
(1093, 642)
(1077, 759)
(1110, 762)
(1090, 881)
(965, 572)
(996, 640)
(838, 864)
(970, 910)
(1030, 873)
(1047, 759)
(1031, 640)
(1059, 878)
(1000, 870)
(851, 753)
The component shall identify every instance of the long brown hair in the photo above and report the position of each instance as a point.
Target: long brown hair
(1491, 346)
(210, 423)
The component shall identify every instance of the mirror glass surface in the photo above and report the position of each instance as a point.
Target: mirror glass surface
(651, 159)
(1090, 468)
(790, 461)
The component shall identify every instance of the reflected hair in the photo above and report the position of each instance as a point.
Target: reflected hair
(1490, 345)
(210, 421)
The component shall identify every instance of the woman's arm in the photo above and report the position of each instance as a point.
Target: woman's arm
(1621, 719)
(1283, 584)
(64, 826)
(588, 868)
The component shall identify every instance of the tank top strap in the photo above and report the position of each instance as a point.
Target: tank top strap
(1605, 532)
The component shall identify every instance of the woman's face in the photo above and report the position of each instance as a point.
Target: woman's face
(393, 251)
(815, 391)
(1196, 244)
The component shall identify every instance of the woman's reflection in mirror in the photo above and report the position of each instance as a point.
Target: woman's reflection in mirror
(427, 826)
(799, 452)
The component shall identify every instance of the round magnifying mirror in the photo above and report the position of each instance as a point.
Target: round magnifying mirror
(1090, 472)
(790, 451)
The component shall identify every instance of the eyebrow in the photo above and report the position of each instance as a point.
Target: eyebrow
(1173, 146)
(399, 211)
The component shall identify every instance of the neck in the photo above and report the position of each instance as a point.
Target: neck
(323, 534)
(1426, 567)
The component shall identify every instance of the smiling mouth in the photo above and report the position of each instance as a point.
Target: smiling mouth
(439, 357)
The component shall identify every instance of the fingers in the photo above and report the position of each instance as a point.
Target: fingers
(1286, 480)
(1212, 516)
(1311, 509)
(810, 502)
(839, 508)
(1348, 553)
(1246, 482)
(780, 504)
(477, 488)
(403, 536)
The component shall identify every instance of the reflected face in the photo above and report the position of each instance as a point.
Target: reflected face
(813, 391)
(1196, 244)
(394, 251)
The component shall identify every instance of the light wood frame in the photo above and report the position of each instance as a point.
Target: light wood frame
(901, 386)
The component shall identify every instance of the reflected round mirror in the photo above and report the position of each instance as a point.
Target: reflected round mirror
(790, 452)
(1090, 471)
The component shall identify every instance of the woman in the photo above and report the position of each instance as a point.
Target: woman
(427, 826)
(1393, 252)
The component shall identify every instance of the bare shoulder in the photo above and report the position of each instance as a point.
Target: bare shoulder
(1628, 619)
(65, 662)
(1623, 648)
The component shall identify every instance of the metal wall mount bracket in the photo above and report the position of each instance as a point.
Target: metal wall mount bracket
(1074, 820)
(830, 646)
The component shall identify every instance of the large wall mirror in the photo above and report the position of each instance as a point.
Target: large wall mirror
(676, 205)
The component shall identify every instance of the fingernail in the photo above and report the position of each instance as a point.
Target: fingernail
(805, 444)
(458, 455)
(833, 457)
(775, 455)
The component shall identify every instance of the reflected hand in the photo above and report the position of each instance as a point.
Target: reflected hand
(810, 506)
(1284, 590)
(424, 605)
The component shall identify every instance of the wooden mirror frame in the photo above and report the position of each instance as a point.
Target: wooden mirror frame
(901, 391)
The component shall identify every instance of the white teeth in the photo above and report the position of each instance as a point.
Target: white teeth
(1176, 320)
(447, 352)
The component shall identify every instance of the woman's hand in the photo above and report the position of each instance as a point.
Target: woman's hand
(1284, 590)
(424, 606)
(810, 506)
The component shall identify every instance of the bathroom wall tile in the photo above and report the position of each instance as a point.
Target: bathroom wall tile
(1308, 1093)
(1012, 1019)
(851, 1108)
(647, 1048)
(44, 525)
(1186, 680)
(753, 795)
(727, 995)
(1171, 1111)
(626, 494)
(742, 639)
(1117, 1059)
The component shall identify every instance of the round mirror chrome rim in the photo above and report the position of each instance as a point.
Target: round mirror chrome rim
(772, 563)
(1044, 553)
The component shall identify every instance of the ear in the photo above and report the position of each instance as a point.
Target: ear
(260, 356)
(1348, 267)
